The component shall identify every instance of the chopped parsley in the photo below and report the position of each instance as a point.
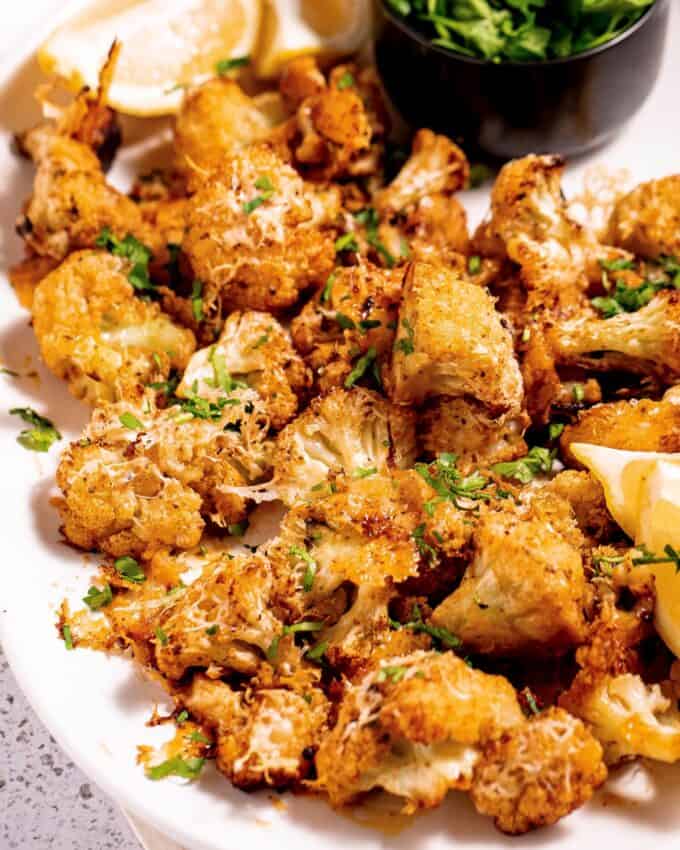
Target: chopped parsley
(364, 471)
(365, 363)
(425, 549)
(479, 173)
(346, 81)
(579, 393)
(371, 221)
(238, 529)
(161, 636)
(439, 634)
(9, 372)
(306, 626)
(211, 631)
(67, 636)
(41, 436)
(267, 189)
(98, 597)
(128, 420)
(407, 343)
(189, 768)
(366, 325)
(129, 568)
(200, 408)
(526, 468)
(345, 322)
(221, 378)
(450, 485)
(310, 572)
(224, 66)
(393, 673)
(555, 430)
(346, 242)
(197, 300)
(261, 340)
(528, 699)
(317, 652)
(133, 250)
(327, 291)
(198, 738)
(630, 299)
(182, 717)
(474, 264)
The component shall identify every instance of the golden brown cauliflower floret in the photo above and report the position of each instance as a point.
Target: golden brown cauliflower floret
(585, 495)
(98, 336)
(419, 204)
(525, 590)
(222, 621)
(265, 737)
(141, 478)
(257, 235)
(465, 428)
(647, 220)
(645, 343)
(451, 342)
(215, 121)
(644, 425)
(253, 347)
(537, 772)
(342, 432)
(72, 202)
(350, 319)
(628, 717)
(414, 727)
(530, 224)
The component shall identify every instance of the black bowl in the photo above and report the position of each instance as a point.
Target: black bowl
(509, 109)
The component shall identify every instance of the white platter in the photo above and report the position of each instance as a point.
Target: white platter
(96, 707)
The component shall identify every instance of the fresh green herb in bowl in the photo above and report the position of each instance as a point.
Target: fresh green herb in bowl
(520, 30)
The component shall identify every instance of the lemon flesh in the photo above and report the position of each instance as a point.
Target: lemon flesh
(642, 490)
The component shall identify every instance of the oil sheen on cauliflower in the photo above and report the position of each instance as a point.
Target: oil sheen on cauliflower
(97, 335)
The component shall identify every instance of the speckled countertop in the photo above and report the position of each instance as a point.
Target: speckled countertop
(46, 803)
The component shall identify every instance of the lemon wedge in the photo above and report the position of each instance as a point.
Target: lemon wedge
(323, 28)
(166, 44)
(642, 490)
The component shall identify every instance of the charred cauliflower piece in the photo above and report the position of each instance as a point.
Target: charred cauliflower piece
(257, 235)
(265, 738)
(222, 620)
(451, 342)
(98, 336)
(629, 717)
(537, 772)
(647, 220)
(142, 478)
(415, 727)
(419, 206)
(644, 426)
(216, 120)
(525, 590)
(466, 429)
(342, 432)
(253, 348)
(349, 324)
(72, 202)
(646, 342)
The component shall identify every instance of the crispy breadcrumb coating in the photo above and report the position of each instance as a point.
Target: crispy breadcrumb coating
(647, 220)
(97, 335)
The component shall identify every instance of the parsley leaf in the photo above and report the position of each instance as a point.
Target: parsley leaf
(41, 436)
(450, 485)
(129, 568)
(224, 66)
(133, 250)
(98, 597)
(310, 572)
(407, 343)
(526, 468)
(363, 364)
(346, 81)
(128, 420)
(177, 766)
(346, 242)
(303, 627)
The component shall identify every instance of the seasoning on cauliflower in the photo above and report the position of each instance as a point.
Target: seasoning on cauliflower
(646, 342)
(647, 220)
(451, 342)
(347, 329)
(98, 336)
(342, 432)
(258, 236)
(537, 772)
(253, 348)
(141, 478)
(585, 494)
(415, 726)
(265, 737)
(525, 590)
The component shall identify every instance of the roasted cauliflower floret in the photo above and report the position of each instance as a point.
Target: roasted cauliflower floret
(644, 426)
(72, 202)
(141, 478)
(216, 120)
(451, 342)
(265, 737)
(530, 224)
(525, 590)
(537, 772)
(98, 336)
(257, 235)
(586, 496)
(223, 620)
(414, 727)
(646, 342)
(349, 324)
(629, 717)
(253, 347)
(342, 432)
(465, 428)
(419, 206)
(647, 220)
